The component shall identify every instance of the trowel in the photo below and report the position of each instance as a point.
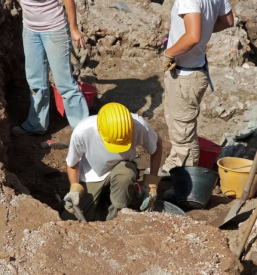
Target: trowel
(79, 65)
(233, 211)
(77, 211)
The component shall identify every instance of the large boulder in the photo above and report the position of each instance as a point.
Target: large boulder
(229, 48)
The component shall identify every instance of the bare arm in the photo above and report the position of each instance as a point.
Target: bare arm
(75, 33)
(73, 173)
(191, 37)
(71, 12)
(156, 158)
(224, 22)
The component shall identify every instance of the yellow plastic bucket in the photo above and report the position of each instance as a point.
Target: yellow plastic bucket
(232, 181)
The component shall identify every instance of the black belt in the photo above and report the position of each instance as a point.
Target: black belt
(204, 69)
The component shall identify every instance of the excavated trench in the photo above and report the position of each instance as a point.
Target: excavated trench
(43, 171)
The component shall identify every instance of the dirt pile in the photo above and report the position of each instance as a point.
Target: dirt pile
(118, 34)
(20, 212)
(133, 243)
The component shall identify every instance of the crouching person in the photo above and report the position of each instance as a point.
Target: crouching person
(101, 167)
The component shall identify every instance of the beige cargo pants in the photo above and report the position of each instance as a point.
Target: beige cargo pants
(183, 95)
(103, 199)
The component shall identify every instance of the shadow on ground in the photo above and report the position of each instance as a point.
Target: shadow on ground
(133, 92)
(26, 154)
(249, 268)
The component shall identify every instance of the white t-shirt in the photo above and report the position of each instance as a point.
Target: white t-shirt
(210, 10)
(96, 162)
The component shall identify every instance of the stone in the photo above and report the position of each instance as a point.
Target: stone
(107, 41)
(247, 12)
(227, 50)
(240, 105)
(156, 7)
(6, 256)
(219, 110)
(246, 66)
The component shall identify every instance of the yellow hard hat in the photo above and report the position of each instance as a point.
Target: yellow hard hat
(116, 127)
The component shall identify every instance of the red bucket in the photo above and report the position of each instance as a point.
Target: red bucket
(88, 91)
(209, 152)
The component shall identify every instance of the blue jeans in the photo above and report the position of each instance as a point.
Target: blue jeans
(53, 47)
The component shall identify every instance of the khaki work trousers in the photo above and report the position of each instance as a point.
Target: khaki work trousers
(183, 95)
(103, 199)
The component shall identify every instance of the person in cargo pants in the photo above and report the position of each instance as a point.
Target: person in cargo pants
(186, 74)
(101, 167)
(47, 40)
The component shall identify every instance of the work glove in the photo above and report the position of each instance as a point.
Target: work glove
(149, 188)
(73, 197)
(168, 62)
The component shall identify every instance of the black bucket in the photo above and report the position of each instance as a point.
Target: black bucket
(164, 206)
(193, 185)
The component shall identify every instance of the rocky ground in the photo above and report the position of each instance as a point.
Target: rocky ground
(133, 243)
(125, 67)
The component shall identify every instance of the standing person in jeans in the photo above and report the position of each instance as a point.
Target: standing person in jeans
(192, 24)
(47, 40)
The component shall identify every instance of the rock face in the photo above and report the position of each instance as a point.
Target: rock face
(229, 48)
(139, 34)
(247, 11)
(119, 34)
(133, 243)
(235, 90)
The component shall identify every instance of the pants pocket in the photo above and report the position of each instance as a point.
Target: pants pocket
(183, 128)
(60, 36)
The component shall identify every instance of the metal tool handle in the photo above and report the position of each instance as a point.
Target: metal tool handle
(250, 179)
(78, 213)
(247, 233)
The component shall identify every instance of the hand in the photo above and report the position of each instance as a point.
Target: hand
(168, 62)
(73, 197)
(150, 196)
(78, 38)
(150, 189)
